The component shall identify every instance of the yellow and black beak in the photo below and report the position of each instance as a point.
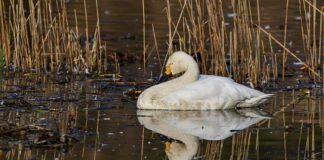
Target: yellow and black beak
(167, 146)
(166, 75)
(168, 70)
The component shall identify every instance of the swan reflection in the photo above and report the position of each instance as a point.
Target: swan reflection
(187, 127)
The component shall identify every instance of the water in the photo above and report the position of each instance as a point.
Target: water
(105, 124)
(102, 123)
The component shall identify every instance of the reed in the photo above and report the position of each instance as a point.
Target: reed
(284, 56)
(40, 40)
(312, 34)
(156, 46)
(168, 11)
(205, 35)
(239, 49)
(144, 34)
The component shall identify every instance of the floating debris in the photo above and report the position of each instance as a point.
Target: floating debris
(267, 27)
(106, 119)
(231, 15)
(298, 63)
(133, 92)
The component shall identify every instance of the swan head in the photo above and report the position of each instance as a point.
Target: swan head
(178, 150)
(179, 62)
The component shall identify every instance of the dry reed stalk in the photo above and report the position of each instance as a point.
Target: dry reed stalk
(320, 42)
(299, 140)
(310, 33)
(322, 125)
(314, 120)
(179, 19)
(144, 34)
(257, 142)
(316, 58)
(244, 43)
(284, 134)
(86, 115)
(288, 51)
(5, 36)
(74, 51)
(156, 46)
(149, 53)
(87, 44)
(284, 56)
(314, 6)
(168, 11)
(219, 41)
(142, 144)
(34, 38)
(212, 150)
(273, 60)
(97, 140)
(240, 145)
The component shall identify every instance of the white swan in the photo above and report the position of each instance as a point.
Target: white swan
(189, 127)
(192, 91)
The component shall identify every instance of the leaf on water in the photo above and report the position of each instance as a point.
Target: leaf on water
(305, 91)
(41, 110)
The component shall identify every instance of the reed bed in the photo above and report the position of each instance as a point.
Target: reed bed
(312, 33)
(234, 51)
(37, 36)
(237, 46)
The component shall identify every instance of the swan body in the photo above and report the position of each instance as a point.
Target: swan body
(192, 91)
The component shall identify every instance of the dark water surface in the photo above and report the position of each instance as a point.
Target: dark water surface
(102, 123)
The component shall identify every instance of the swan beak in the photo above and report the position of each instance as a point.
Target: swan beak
(166, 75)
(167, 70)
(167, 146)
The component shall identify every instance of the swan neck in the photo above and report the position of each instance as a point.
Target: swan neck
(190, 142)
(190, 75)
(157, 92)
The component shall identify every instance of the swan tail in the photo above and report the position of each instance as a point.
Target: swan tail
(255, 101)
(255, 113)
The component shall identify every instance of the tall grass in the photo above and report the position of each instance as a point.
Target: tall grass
(242, 49)
(312, 33)
(38, 36)
(224, 50)
(34, 38)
